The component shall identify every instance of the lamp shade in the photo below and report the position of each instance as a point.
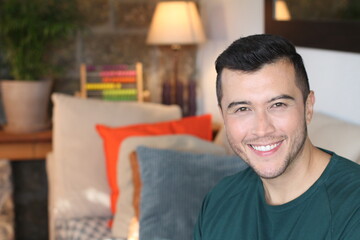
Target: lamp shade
(282, 11)
(175, 23)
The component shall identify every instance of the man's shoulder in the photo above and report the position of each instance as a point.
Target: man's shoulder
(343, 194)
(346, 162)
(343, 182)
(344, 171)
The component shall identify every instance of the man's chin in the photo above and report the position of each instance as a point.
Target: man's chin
(269, 176)
(268, 172)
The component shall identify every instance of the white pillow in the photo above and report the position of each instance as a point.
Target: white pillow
(221, 139)
(181, 142)
(79, 164)
(335, 135)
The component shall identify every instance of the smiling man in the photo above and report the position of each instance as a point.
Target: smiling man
(292, 189)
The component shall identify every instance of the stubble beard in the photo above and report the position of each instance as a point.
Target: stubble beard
(296, 149)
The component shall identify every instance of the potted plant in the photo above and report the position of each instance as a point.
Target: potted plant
(28, 30)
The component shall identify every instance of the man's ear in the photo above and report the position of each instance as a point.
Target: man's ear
(309, 106)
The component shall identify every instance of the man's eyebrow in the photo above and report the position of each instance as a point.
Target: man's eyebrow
(233, 104)
(283, 96)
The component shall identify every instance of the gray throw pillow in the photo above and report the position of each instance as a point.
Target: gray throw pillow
(174, 185)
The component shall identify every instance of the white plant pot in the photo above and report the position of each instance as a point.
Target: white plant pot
(26, 105)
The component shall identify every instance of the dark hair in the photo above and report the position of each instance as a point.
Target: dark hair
(251, 53)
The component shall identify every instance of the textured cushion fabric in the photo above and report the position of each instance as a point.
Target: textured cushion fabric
(199, 126)
(339, 136)
(173, 186)
(80, 183)
(87, 228)
(125, 204)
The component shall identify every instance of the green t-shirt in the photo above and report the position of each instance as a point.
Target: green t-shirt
(330, 209)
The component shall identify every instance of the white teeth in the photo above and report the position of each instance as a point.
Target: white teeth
(265, 148)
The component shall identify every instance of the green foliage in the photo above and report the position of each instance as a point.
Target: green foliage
(28, 28)
(352, 11)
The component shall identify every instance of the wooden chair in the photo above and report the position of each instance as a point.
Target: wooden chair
(112, 82)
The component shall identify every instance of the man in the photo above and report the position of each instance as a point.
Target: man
(292, 190)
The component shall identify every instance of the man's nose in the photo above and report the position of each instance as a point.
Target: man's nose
(263, 124)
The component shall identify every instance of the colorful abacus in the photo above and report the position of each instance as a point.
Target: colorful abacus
(112, 82)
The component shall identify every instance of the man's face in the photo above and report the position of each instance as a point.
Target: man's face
(265, 116)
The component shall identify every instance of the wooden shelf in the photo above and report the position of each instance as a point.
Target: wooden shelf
(25, 146)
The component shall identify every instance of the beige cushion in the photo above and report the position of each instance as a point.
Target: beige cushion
(221, 140)
(78, 180)
(125, 211)
(335, 135)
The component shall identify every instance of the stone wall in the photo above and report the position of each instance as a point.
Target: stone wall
(115, 32)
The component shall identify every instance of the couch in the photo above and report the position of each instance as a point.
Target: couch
(119, 170)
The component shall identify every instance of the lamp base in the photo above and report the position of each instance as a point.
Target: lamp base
(180, 94)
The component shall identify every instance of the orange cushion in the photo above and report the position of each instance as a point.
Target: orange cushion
(199, 126)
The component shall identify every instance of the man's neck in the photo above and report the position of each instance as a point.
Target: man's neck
(303, 172)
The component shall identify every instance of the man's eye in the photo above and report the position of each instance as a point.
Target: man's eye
(242, 109)
(279, 104)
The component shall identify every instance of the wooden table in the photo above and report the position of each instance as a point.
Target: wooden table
(28, 146)
(25, 146)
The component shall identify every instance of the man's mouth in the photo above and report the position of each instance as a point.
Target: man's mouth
(265, 148)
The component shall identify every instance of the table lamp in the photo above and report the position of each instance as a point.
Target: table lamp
(175, 23)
